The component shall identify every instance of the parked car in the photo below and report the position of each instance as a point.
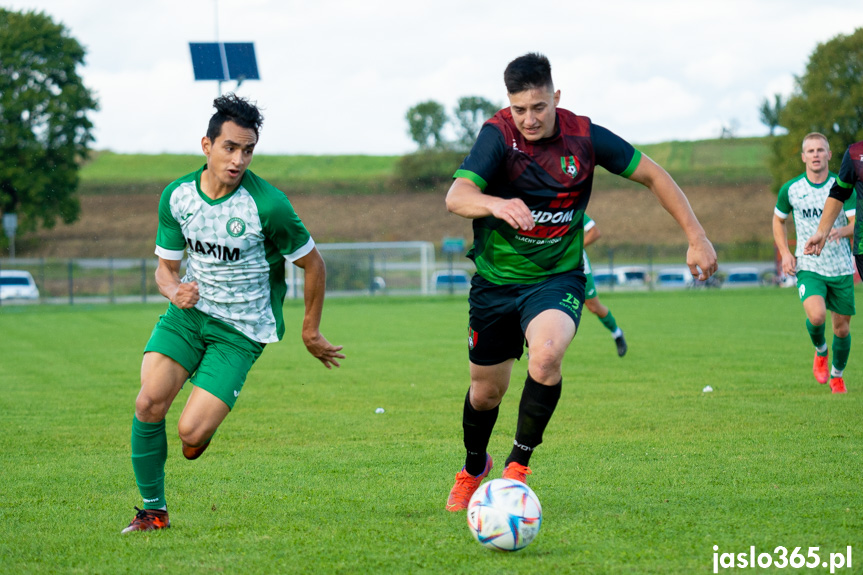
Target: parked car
(711, 282)
(631, 276)
(17, 284)
(455, 280)
(671, 278)
(743, 277)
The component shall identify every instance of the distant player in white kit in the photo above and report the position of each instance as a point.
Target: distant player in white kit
(824, 282)
(238, 231)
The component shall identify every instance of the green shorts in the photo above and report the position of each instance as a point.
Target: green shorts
(217, 356)
(838, 292)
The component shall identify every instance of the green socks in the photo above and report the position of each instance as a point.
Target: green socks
(816, 334)
(609, 322)
(841, 351)
(149, 453)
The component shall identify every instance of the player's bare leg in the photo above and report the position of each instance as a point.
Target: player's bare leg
(548, 337)
(161, 380)
(605, 316)
(816, 316)
(201, 417)
(841, 351)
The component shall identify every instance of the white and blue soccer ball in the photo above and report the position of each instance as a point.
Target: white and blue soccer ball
(504, 514)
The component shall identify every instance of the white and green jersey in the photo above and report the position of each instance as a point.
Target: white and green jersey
(807, 200)
(237, 247)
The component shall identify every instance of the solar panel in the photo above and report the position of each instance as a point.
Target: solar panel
(224, 61)
(241, 61)
(207, 61)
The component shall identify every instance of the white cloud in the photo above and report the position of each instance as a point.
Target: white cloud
(337, 76)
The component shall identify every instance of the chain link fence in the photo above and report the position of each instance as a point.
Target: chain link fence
(394, 268)
(375, 268)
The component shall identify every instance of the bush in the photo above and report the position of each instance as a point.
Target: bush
(426, 169)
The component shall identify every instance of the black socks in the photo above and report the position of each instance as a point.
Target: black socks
(478, 426)
(534, 412)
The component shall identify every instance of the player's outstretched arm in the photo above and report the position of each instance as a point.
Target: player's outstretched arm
(700, 257)
(465, 199)
(182, 295)
(815, 244)
(316, 280)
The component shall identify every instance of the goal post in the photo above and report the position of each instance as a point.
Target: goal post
(370, 268)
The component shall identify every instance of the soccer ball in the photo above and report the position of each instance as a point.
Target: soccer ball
(504, 514)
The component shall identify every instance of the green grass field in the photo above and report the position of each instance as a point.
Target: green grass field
(640, 471)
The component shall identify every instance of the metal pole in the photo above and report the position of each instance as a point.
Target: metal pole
(71, 283)
(143, 280)
(111, 280)
(650, 279)
(451, 279)
(611, 268)
(216, 20)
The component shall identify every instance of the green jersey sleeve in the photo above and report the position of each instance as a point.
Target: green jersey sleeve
(281, 225)
(285, 229)
(783, 205)
(169, 235)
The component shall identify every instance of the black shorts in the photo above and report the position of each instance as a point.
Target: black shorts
(500, 314)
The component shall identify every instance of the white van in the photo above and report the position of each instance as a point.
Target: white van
(619, 276)
(674, 278)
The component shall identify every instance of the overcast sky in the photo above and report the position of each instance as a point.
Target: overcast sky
(337, 76)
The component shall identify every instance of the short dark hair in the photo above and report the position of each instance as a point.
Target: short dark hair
(527, 72)
(232, 108)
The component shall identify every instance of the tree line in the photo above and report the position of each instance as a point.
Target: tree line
(428, 120)
(827, 98)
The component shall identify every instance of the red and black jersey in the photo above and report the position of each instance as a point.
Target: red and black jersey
(554, 177)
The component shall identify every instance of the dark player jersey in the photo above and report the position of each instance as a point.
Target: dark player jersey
(851, 179)
(553, 177)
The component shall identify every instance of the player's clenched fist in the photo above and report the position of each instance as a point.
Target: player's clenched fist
(186, 295)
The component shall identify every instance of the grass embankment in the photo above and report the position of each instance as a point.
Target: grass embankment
(706, 162)
(129, 173)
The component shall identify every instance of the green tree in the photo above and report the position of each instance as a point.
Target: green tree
(827, 98)
(426, 121)
(770, 113)
(44, 129)
(470, 114)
